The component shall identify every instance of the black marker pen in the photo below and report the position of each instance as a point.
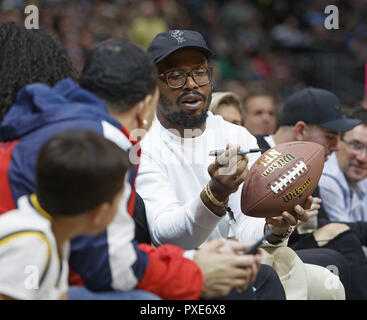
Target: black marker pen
(240, 152)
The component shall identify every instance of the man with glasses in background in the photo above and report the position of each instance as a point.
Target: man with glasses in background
(315, 115)
(187, 192)
(343, 187)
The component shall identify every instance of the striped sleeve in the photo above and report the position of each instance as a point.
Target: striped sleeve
(104, 262)
(113, 261)
(26, 257)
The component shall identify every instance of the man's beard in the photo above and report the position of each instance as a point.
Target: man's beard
(182, 119)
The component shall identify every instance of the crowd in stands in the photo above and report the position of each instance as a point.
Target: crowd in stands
(282, 45)
(165, 225)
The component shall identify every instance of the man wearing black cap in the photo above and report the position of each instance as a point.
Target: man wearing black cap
(124, 85)
(343, 185)
(316, 107)
(175, 49)
(186, 194)
(315, 115)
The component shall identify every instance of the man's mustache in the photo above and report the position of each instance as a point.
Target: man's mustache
(178, 101)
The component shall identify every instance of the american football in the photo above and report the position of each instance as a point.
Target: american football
(281, 178)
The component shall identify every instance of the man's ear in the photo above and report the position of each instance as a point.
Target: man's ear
(149, 108)
(139, 111)
(300, 130)
(147, 104)
(146, 108)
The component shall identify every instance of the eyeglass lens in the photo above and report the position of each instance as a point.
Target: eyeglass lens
(179, 77)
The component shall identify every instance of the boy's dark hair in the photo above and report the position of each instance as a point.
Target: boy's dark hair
(28, 56)
(120, 73)
(77, 171)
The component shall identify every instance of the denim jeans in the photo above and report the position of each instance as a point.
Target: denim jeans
(81, 293)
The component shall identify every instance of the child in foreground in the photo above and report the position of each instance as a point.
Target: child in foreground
(80, 178)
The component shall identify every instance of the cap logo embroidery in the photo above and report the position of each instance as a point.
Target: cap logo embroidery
(178, 35)
(336, 107)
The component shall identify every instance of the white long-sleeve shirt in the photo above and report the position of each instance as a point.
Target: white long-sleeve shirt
(173, 172)
(30, 266)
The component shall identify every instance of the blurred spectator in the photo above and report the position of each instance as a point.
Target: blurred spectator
(283, 42)
(227, 105)
(236, 14)
(145, 27)
(237, 87)
(260, 116)
(289, 35)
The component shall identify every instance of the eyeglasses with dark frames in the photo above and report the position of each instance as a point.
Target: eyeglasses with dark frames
(177, 78)
(355, 145)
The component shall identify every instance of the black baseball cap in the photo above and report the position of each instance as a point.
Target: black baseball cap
(316, 106)
(168, 42)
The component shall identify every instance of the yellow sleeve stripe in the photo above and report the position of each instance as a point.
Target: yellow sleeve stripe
(38, 234)
(37, 206)
(18, 234)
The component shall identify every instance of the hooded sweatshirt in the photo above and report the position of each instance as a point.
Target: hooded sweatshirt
(111, 260)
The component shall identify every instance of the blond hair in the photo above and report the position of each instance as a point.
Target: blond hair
(226, 97)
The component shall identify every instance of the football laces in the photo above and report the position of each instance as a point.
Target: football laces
(288, 178)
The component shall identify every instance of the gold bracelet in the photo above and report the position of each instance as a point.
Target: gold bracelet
(214, 199)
